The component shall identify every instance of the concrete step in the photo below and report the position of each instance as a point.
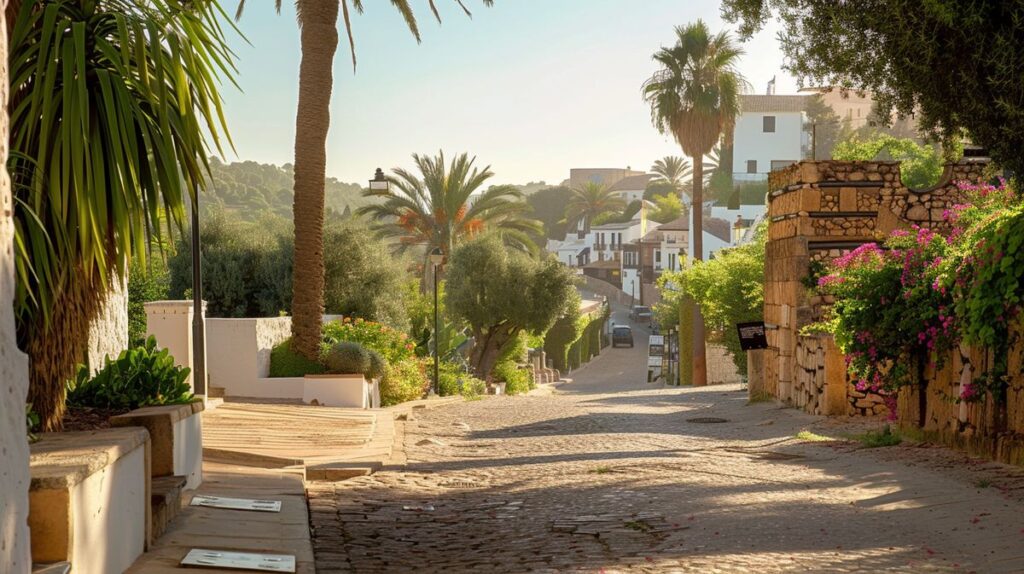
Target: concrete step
(215, 392)
(165, 502)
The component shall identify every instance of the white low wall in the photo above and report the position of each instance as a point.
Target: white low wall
(89, 501)
(176, 439)
(238, 357)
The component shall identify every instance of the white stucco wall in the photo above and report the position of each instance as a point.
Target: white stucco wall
(15, 550)
(752, 143)
(188, 450)
(109, 510)
(108, 333)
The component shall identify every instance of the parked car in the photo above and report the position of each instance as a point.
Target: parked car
(622, 335)
(641, 314)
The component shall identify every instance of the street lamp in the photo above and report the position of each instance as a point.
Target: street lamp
(436, 258)
(379, 182)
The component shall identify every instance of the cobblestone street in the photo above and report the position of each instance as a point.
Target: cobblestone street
(612, 474)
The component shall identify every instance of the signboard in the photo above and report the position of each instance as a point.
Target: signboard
(654, 361)
(200, 557)
(656, 345)
(752, 335)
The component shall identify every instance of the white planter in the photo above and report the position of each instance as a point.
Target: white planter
(352, 391)
(176, 439)
(498, 388)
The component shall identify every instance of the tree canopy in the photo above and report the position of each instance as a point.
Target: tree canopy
(501, 292)
(956, 65)
(920, 165)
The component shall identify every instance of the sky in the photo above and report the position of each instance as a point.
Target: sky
(530, 87)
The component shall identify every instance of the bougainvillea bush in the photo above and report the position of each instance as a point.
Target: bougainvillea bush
(902, 305)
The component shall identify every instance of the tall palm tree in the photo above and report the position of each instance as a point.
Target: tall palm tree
(318, 21)
(589, 200)
(695, 97)
(111, 106)
(440, 206)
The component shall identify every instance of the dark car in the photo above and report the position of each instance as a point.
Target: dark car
(641, 314)
(622, 335)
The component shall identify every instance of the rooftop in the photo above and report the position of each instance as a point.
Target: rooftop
(759, 103)
(632, 183)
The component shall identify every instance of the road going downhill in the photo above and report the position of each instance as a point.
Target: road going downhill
(613, 474)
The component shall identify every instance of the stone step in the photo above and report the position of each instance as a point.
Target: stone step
(215, 392)
(165, 502)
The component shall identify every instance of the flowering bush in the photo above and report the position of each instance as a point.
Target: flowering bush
(392, 344)
(888, 318)
(404, 380)
(905, 304)
(987, 277)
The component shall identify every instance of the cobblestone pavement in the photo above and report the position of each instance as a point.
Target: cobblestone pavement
(611, 474)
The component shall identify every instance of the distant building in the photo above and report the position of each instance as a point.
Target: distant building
(607, 176)
(632, 188)
(770, 134)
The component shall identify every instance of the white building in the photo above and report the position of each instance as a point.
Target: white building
(770, 133)
(606, 240)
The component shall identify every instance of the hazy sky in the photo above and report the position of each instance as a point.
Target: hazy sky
(531, 87)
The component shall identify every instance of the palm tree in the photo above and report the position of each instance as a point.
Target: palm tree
(672, 170)
(589, 200)
(440, 207)
(318, 21)
(695, 96)
(111, 106)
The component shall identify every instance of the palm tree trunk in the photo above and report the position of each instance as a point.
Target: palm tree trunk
(56, 347)
(319, 42)
(700, 366)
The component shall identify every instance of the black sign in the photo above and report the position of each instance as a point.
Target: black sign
(752, 335)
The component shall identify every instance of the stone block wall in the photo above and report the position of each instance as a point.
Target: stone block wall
(818, 211)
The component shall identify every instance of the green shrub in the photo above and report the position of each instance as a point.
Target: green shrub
(286, 363)
(453, 380)
(347, 358)
(377, 365)
(516, 380)
(403, 381)
(139, 377)
(392, 344)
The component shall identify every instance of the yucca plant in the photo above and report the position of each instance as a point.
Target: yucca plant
(111, 106)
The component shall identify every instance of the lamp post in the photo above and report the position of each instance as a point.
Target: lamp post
(379, 182)
(436, 258)
(198, 327)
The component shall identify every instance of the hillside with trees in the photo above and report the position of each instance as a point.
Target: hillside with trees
(246, 190)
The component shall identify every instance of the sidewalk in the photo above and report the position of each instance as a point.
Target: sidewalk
(285, 532)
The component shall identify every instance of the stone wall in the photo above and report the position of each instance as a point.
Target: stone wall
(721, 368)
(108, 333)
(14, 471)
(818, 211)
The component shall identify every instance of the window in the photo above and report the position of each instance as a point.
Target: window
(768, 124)
(657, 256)
(751, 166)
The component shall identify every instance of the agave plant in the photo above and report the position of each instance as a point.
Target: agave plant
(112, 106)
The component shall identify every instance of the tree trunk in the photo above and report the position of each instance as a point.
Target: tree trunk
(700, 365)
(487, 349)
(56, 348)
(319, 41)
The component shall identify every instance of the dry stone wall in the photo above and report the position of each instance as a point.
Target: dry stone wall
(818, 211)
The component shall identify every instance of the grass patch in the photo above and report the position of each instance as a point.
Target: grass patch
(808, 436)
(760, 397)
(983, 483)
(877, 439)
(601, 470)
(638, 526)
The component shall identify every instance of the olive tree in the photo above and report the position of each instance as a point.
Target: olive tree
(500, 292)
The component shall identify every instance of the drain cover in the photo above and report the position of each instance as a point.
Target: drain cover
(707, 420)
